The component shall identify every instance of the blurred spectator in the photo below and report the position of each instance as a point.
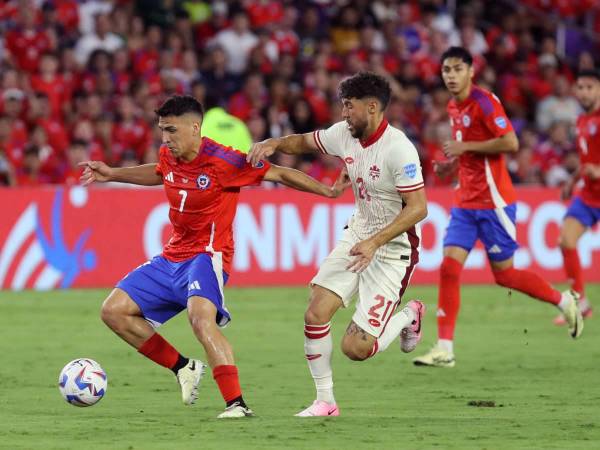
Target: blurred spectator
(93, 72)
(236, 42)
(561, 106)
(100, 38)
(29, 174)
(224, 128)
(76, 154)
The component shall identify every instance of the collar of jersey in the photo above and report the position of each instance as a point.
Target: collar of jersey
(376, 135)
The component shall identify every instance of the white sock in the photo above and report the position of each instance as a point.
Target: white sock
(584, 304)
(446, 344)
(400, 320)
(564, 301)
(318, 347)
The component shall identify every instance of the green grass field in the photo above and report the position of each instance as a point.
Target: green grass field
(544, 384)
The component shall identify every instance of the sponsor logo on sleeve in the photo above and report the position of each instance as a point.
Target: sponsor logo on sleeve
(259, 165)
(203, 181)
(348, 160)
(410, 170)
(500, 122)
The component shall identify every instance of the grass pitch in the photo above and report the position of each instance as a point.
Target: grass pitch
(543, 385)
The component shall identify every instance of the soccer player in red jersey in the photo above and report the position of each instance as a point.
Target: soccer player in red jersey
(202, 181)
(485, 204)
(584, 210)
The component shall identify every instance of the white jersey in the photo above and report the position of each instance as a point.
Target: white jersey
(380, 169)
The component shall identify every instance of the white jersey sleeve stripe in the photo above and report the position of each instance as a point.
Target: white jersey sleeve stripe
(409, 185)
(318, 142)
(411, 189)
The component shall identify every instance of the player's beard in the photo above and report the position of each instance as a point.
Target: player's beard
(358, 129)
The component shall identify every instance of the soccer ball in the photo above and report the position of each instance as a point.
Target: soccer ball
(82, 382)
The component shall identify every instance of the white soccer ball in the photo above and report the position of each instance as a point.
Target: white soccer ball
(82, 382)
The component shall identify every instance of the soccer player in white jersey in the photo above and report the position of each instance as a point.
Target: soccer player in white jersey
(379, 249)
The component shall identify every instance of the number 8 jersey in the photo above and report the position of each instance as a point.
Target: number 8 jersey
(588, 145)
(483, 180)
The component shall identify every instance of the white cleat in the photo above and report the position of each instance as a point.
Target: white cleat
(436, 357)
(189, 378)
(573, 315)
(236, 411)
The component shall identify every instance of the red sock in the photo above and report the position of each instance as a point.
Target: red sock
(448, 297)
(529, 283)
(228, 382)
(160, 351)
(573, 269)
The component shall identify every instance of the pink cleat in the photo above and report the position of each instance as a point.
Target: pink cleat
(411, 335)
(319, 408)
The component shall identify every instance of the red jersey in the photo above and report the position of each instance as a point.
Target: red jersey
(203, 196)
(588, 146)
(484, 182)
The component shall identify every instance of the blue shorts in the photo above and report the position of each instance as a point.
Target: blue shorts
(161, 288)
(587, 215)
(495, 227)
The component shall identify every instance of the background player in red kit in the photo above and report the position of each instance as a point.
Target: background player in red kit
(485, 204)
(584, 210)
(202, 181)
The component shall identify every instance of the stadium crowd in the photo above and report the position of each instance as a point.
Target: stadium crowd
(81, 79)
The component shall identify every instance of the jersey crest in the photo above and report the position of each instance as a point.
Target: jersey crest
(374, 172)
(203, 181)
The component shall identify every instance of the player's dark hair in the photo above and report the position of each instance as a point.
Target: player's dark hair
(178, 105)
(458, 52)
(366, 84)
(589, 73)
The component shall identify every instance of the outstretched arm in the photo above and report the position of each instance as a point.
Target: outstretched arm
(292, 144)
(508, 143)
(302, 182)
(99, 172)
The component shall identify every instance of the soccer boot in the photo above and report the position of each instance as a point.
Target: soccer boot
(411, 335)
(319, 408)
(235, 411)
(573, 315)
(189, 378)
(436, 357)
(585, 308)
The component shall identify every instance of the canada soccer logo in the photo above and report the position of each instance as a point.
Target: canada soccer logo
(374, 172)
(203, 181)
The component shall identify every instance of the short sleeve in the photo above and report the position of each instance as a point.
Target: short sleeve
(245, 174)
(494, 116)
(406, 167)
(331, 140)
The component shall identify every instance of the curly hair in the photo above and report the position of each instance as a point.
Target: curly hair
(366, 84)
(178, 105)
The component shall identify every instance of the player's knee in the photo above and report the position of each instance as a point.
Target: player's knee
(503, 277)
(353, 351)
(110, 314)
(450, 268)
(203, 327)
(313, 316)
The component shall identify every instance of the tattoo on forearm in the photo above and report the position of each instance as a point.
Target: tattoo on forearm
(354, 330)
